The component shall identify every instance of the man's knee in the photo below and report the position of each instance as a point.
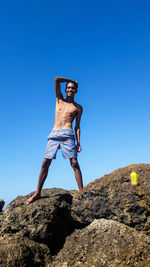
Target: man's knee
(46, 163)
(74, 163)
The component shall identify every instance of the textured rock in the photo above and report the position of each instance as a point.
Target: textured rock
(2, 203)
(16, 252)
(1, 220)
(46, 220)
(30, 234)
(105, 243)
(113, 197)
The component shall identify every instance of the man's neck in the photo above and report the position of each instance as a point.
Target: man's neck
(69, 99)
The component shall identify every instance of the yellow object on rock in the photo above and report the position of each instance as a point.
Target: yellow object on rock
(134, 178)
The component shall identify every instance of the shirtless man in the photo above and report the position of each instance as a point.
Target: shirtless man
(62, 135)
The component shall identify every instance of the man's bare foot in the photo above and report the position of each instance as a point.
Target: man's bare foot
(33, 198)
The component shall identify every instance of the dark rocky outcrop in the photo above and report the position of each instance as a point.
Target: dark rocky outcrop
(42, 227)
(2, 203)
(46, 220)
(113, 197)
(105, 243)
(16, 251)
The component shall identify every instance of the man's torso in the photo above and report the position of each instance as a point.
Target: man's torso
(65, 113)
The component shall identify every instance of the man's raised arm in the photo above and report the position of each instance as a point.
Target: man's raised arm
(59, 80)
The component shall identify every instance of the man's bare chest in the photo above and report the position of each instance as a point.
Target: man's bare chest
(67, 108)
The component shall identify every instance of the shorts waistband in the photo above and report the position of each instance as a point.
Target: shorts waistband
(62, 129)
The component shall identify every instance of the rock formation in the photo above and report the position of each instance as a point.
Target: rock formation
(104, 243)
(47, 221)
(16, 251)
(113, 197)
(107, 224)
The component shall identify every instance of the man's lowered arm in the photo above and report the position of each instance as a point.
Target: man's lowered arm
(77, 128)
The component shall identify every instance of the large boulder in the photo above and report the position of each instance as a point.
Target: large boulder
(46, 220)
(105, 243)
(113, 197)
(16, 251)
(41, 228)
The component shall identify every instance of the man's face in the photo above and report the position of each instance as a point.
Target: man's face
(71, 89)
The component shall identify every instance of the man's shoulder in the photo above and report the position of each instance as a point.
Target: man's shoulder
(78, 106)
(60, 101)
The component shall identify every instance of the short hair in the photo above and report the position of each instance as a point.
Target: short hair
(73, 83)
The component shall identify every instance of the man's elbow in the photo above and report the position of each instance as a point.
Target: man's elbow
(57, 79)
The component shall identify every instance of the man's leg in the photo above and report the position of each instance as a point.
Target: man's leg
(43, 174)
(77, 171)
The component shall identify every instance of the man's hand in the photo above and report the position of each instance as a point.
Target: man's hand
(79, 148)
(76, 83)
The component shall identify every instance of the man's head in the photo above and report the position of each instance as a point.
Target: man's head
(71, 88)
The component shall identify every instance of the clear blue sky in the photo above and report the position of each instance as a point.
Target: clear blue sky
(105, 45)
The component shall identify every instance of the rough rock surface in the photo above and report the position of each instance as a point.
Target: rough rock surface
(16, 252)
(2, 203)
(113, 197)
(46, 220)
(41, 228)
(105, 243)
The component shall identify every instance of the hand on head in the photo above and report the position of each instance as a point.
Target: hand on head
(76, 83)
